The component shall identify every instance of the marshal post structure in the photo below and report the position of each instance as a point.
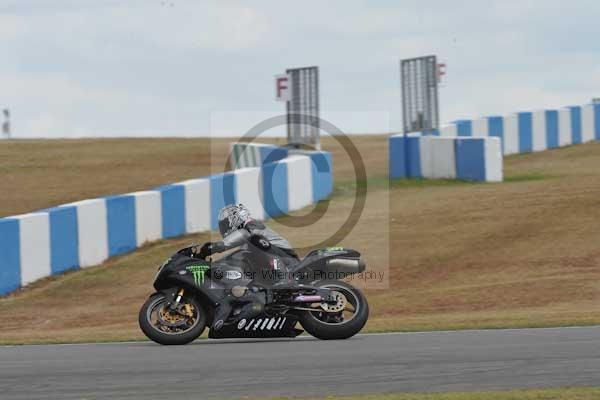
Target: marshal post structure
(420, 107)
(299, 88)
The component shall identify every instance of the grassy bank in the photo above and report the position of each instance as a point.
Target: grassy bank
(452, 255)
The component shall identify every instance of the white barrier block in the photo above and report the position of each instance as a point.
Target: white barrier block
(248, 190)
(299, 181)
(479, 127)
(493, 160)
(35, 246)
(587, 123)
(92, 231)
(425, 156)
(449, 130)
(197, 205)
(443, 158)
(539, 130)
(148, 220)
(565, 136)
(511, 134)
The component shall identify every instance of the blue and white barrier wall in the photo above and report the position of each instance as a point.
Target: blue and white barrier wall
(87, 232)
(531, 131)
(434, 157)
(244, 155)
(520, 132)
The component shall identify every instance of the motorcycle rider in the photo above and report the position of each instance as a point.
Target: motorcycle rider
(236, 216)
(231, 218)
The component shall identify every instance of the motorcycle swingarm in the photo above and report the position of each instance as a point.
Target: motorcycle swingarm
(325, 294)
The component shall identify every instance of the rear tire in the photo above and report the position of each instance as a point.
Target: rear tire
(341, 330)
(154, 333)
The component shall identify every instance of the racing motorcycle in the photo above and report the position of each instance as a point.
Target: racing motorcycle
(191, 290)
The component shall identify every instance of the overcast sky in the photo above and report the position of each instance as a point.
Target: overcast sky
(132, 68)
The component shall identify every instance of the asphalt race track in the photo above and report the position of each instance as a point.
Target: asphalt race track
(439, 361)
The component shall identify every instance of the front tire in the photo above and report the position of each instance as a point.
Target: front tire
(170, 328)
(332, 326)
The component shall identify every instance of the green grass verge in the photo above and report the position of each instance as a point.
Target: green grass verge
(528, 177)
(584, 393)
(383, 182)
(343, 188)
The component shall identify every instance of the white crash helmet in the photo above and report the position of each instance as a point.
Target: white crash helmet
(232, 217)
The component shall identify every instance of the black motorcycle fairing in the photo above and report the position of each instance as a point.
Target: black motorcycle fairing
(261, 326)
(238, 258)
(209, 280)
(221, 288)
(191, 274)
(212, 281)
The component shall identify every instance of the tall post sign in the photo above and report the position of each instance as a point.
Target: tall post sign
(419, 78)
(283, 88)
(299, 88)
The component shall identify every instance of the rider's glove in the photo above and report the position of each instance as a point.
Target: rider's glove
(211, 248)
(218, 247)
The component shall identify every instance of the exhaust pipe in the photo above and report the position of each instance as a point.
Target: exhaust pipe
(308, 299)
(346, 264)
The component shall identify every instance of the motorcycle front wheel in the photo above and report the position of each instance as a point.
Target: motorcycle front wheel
(340, 321)
(172, 327)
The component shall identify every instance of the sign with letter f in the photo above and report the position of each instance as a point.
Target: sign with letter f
(283, 89)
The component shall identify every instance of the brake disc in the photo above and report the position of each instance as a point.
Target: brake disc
(174, 319)
(339, 305)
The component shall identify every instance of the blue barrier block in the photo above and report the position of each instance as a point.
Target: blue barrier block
(576, 124)
(413, 157)
(525, 124)
(275, 189)
(496, 129)
(222, 193)
(120, 215)
(470, 159)
(322, 175)
(269, 154)
(552, 128)
(64, 239)
(10, 254)
(464, 127)
(397, 157)
(597, 121)
(173, 210)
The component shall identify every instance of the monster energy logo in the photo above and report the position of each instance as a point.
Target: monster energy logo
(198, 272)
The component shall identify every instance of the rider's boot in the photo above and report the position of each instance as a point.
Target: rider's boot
(250, 310)
(253, 305)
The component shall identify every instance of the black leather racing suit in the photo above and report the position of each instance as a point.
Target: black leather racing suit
(279, 246)
(254, 303)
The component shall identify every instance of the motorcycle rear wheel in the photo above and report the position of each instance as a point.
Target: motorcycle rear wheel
(165, 327)
(338, 325)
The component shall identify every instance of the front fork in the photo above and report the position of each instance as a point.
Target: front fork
(174, 298)
(180, 293)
